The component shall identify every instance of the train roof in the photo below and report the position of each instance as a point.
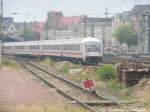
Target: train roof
(59, 41)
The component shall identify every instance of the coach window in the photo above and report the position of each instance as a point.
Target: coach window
(79, 47)
(55, 47)
(19, 47)
(50, 47)
(74, 47)
(69, 47)
(33, 47)
(7, 47)
(58, 47)
(62, 47)
(44, 47)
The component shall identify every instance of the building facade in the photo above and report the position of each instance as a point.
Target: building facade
(139, 18)
(100, 28)
(59, 26)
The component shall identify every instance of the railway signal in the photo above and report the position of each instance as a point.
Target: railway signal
(88, 84)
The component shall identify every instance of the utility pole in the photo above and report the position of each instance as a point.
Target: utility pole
(92, 28)
(55, 26)
(103, 38)
(106, 13)
(1, 31)
(1, 18)
(85, 25)
(103, 30)
(149, 31)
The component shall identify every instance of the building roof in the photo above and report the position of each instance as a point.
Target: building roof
(24, 25)
(71, 20)
(125, 15)
(7, 21)
(140, 9)
(90, 19)
(38, 26)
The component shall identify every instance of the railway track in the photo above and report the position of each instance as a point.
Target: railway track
(74, 92)
(123, 59)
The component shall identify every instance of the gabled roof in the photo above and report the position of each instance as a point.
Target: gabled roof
(140, 9)
(71, 20)
(38, 26)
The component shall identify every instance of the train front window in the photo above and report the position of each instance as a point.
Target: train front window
(92, 47)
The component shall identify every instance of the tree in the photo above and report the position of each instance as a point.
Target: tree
(107, 72)
(30, 35)
(126, 34)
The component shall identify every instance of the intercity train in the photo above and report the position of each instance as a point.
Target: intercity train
(87, 50)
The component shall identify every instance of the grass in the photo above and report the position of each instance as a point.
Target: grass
(9, 63)
(65, 70)
(114, 85)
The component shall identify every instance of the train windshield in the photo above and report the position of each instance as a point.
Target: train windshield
(92, 47)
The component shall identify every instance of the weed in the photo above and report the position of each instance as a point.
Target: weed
(65, 70)
(8, 63)
(106, 72)
(114, 85)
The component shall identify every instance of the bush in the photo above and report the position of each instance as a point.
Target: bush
(65, 70)
(106, 72)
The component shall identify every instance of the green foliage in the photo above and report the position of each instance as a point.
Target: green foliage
(106, 72)
(126, 34)
(65, 70)
(29, 35)
(78, 66)
(8, 63)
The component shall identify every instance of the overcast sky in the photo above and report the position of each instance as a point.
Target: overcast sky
(37, 9)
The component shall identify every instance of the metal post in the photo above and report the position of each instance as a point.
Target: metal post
(38, 55)
(103, 38)
(92, 29)
(85, 25)
(1, 32)
(39, 51)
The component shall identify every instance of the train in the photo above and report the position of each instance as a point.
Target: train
(86, 50)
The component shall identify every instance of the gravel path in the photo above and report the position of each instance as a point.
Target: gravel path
(18, 88)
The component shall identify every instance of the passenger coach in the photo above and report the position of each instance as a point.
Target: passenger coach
(88, 50)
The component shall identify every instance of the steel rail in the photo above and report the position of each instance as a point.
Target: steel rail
(112, 99)
(59, 90)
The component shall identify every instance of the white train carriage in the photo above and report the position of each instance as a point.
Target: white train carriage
(86, 49)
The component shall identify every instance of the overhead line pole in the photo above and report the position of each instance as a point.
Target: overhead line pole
(1, 31)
